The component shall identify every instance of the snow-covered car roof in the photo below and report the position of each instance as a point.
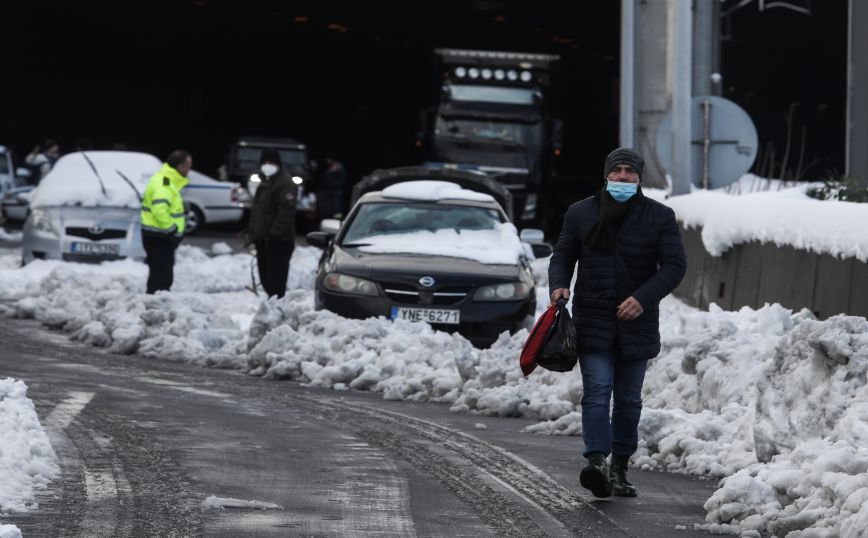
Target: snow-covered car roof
(432, 190)
(73, 181)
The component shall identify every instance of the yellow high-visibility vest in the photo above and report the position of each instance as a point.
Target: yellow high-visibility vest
(162, 205)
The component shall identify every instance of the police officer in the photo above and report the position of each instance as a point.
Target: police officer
(272, 223)
(163, 218)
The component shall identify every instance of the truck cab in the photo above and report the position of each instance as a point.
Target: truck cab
(494, 113)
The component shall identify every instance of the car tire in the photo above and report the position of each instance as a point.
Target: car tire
(195, 220)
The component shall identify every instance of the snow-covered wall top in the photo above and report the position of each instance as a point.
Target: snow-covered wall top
(786, 217)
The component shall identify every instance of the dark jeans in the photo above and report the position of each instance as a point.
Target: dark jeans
(160, 251)
(272, 257)
(604, 374)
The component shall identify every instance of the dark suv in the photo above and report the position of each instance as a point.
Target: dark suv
(245, 153)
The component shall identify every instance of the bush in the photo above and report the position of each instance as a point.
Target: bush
(843, 188)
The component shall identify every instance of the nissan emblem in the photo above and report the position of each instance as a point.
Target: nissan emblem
(427, 281)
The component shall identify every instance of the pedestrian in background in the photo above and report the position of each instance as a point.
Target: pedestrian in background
(42, 158)
(272, 223)
(334, 179)
(630, 256)
(163, 219)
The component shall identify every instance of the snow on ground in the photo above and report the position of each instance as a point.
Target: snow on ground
(772, 401)
(27, 461)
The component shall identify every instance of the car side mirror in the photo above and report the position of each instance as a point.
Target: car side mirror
(541, 250)
(330, 226)
(319, 239)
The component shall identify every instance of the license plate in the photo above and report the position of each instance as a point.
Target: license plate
(96, 249)
(428, 315)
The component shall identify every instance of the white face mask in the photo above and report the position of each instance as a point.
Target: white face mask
(268, 169)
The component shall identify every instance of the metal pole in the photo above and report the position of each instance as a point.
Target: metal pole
(628, 79)
(857, 91)
(706, 140)
(703, 46)
(681, 82)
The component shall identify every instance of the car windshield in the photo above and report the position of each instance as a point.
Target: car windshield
(4, 164)
(291, 159)
(375, 219)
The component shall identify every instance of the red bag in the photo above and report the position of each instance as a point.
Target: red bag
(536, 340)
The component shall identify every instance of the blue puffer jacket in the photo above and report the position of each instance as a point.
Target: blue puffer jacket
(648, 262)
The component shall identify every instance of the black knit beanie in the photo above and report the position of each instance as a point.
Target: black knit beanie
(271, 156)
(624, 156)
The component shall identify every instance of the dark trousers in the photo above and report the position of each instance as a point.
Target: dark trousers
(160, 251)
(272, 257)
(606, 375)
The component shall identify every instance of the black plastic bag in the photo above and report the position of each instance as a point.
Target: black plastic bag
(560, 350)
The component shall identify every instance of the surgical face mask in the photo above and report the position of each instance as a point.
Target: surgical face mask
(621, 192)
(268, 169)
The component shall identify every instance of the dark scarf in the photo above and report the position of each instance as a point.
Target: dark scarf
(602, 233)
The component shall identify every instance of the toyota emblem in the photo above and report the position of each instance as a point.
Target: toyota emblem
(427, 281)
(96, 229)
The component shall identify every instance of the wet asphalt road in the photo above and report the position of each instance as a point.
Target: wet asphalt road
(142, 443)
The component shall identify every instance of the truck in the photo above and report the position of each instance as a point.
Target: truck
(494, 112)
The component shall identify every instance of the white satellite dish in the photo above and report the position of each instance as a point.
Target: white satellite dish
(723, 142)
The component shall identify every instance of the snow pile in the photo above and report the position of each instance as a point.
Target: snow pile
(212, 502)
(811, 436)
(786, 218)
(27, 461)
(433, 190)
(9, 531)
(498, 246)
(204, 320)
(9, 236)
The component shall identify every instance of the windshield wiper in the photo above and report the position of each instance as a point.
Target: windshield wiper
(355, 245)
(130, 183)
(101, 185)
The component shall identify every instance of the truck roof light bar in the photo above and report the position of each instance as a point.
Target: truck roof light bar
(535, 61)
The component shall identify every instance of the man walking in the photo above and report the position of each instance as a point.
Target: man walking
(163, 219)
(272, 223)
(630, 255)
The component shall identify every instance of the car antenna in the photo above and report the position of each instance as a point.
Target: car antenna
(101, 185)
(130, 183)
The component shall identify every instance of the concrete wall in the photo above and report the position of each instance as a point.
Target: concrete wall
(752, 274)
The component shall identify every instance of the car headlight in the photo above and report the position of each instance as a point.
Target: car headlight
(42, 221)
(350, 284)
(512, 291)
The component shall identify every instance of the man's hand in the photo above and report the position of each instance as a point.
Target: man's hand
(629, 310)
(560, 293)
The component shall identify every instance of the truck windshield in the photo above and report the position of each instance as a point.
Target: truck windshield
(491, 94)
(247, 158)
(482, 131)
(491, 143)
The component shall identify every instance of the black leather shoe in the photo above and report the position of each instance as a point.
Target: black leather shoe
(595, 475)
(618, 477)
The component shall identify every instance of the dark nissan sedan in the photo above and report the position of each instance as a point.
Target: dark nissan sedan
(427, 251)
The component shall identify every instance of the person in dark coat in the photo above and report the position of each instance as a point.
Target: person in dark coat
(630, 256)
(272, 223)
